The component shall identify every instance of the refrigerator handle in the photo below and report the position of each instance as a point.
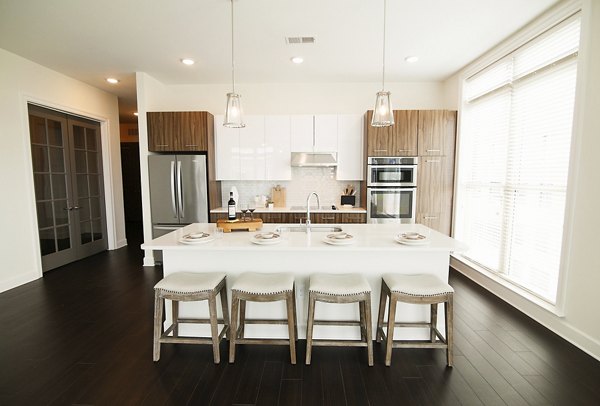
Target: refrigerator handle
(180, 190)
(173, 189)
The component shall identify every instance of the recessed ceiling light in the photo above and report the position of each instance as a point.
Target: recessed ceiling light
(112, 81)
(411, 59)
(187, 61)
(135, 113)
(297, 59)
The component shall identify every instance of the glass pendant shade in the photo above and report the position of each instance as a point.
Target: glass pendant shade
(233, 111)
(383, 114)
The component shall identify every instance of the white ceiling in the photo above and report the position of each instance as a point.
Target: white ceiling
(91, 40)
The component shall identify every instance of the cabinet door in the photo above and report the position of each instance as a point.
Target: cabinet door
(380, 140)
(252, 148)
(301, 128)
(326, 133)
(160, 132)
(190, 129)
(432, 132)
(405, 132)
(227, 144)
(433, 221)
(352, 218)
(350, 147)
(430, 184)
(324, 218)
(277, 148)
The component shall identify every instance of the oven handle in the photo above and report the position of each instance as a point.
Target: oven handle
(392, 166)
(392, 189)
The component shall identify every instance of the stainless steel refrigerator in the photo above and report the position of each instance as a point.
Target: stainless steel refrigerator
(178, 191)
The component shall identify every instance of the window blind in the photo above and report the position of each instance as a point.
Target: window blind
(516, 127)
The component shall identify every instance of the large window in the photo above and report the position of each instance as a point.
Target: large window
(515, 139)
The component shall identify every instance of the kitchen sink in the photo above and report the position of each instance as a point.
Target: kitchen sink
(301, 228)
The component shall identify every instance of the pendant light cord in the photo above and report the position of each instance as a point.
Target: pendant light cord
(232, 53)
(384, 19)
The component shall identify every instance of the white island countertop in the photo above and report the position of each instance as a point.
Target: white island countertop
(367, 237)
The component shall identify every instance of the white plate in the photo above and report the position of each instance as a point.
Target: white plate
(404, 241)
(194, 241)
(411, 237)
(341, 236)
(196, 236)
(338, 242)
(268, 241)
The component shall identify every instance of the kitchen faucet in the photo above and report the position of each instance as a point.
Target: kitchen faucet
(308, 207)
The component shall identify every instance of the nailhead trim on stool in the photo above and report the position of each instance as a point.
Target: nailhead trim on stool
(417, 289)
(263, 287)
(190, 287)
(340, 288)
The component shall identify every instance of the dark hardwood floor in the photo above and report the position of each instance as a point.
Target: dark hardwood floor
(83, 335)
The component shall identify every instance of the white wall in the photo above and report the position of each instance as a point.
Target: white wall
(581, 322)
(272, 98)
(22, 81)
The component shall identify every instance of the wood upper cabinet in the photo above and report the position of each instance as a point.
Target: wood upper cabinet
(398, 140)
(178, 131)
(435, 126)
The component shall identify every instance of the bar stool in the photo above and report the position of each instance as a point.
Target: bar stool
(188, 287)
(340, 288)
(419, 289)
(262, 287)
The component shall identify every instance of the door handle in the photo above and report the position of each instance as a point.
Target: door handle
(180, 189)
(173, 189)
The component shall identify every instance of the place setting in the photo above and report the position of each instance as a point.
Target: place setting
(266, 238)
(196, 238)
(340, 238)
(412, 238)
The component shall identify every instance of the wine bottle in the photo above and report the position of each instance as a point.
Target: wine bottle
(231, 207)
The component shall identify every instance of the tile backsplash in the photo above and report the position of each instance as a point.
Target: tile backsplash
(304, 181)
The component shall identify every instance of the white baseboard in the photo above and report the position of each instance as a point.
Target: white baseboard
(121, 243)
(18, 281)
(556, 324)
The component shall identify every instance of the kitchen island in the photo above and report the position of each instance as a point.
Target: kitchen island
(373, 253)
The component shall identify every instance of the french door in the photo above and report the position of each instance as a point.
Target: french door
(69, 193)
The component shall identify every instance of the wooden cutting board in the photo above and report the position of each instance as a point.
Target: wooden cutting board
(239, 225)
(278, 196)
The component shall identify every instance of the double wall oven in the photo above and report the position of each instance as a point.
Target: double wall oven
(391, 189)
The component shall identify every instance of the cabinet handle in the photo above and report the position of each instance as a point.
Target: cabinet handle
(404, 150)
(191, 145)
(433, 161)
(381, 150)
(432, 150)
(162, 145)
(430, 217)
(329, 218)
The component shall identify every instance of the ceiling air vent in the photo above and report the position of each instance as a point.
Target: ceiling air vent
(300, 40)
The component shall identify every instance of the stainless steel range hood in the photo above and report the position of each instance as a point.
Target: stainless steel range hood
(314, 159)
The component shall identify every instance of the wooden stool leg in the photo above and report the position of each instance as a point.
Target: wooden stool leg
(382, 300)
(390, 330)
(361, 311)
(175, 316)
(450, 329)
(242, 318)
(295, 313)
(309, 326)
(235, 312)
(224, 308)
(291, 332)
(368, 328)
(158, 312)
(214, 327)
(434, 309)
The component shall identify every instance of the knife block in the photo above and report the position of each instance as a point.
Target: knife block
(348, 200)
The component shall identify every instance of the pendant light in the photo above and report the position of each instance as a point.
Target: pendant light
(383, 114)
(233, 111)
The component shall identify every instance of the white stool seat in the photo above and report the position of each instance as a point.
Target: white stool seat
(190, 282)
(264, 283)
(339, 284)
(417, 285)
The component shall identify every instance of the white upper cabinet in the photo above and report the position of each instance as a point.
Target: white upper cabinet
(227, 146)
(302, 134)
(350, 143)
(326, 133)
(278, 147)
(252, 148)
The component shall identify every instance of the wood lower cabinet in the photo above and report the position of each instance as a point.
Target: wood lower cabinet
(179, 131)
(298, 218)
